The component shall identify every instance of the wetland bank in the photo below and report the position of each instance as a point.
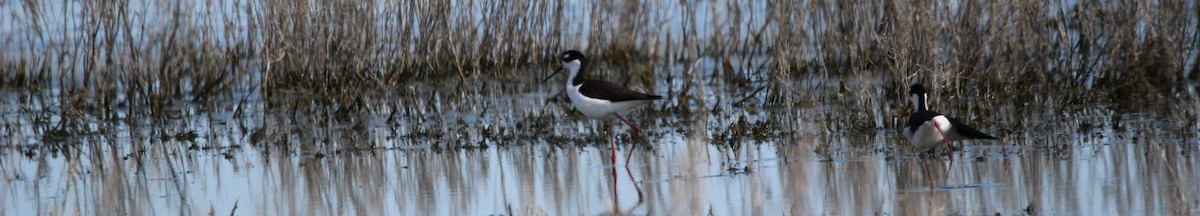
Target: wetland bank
(436, 108)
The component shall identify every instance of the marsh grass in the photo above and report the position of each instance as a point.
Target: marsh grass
(1040, 53)
(347, 58)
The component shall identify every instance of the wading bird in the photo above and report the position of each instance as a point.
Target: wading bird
(927, 129)
(600, 99)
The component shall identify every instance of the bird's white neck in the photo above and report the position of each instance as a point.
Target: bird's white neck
(575, 67)
(919, 102)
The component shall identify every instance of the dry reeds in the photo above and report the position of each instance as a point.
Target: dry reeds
(322, 46)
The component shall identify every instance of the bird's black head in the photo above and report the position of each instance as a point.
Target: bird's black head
(918, 96)
(571, 55)
(916, 89)
(572, 60)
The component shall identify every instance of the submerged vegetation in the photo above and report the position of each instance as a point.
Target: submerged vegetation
(353, 59)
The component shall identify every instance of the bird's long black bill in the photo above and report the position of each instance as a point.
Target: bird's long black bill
(552, 74)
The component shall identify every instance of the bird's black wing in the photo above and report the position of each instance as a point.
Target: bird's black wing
(612, 92)
(920, 117)
(967, 131)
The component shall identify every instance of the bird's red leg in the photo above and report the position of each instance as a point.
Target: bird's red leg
(949, 147)
(637, 132)
(928, 177)
(613, 142)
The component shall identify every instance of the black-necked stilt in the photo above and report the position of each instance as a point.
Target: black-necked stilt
(600, 99)
(927, 129)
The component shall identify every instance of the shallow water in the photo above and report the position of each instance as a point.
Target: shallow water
(519, 150)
